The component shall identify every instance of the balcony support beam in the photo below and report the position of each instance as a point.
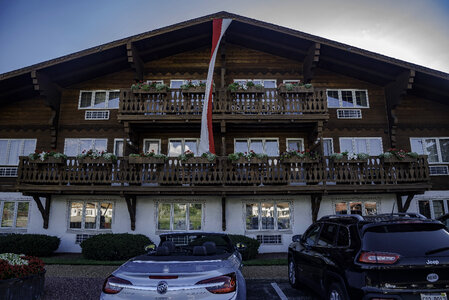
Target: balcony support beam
(135, 60)
(316, 202)
(403, 207)
(310, 62)
(45, 211)
(131, 204)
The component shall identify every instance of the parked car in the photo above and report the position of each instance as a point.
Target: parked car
(444, 219)
(194, 265)
(394, 256)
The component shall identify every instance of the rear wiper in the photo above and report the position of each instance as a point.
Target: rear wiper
(437, 250)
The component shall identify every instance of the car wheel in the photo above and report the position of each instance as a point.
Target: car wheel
(336, 292)
(292, 275)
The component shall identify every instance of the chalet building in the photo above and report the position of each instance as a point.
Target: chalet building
(353, 101)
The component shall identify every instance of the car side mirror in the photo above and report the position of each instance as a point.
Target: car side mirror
(297, 238)
(150, 248)
(240, 246)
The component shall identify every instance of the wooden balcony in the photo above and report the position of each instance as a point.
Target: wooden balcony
(266, 104)
(198, 175)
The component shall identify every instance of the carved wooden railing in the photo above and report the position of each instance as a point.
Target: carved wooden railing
(265, 102)
(223, 172)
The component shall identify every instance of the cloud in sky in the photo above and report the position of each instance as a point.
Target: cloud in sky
(412, 30)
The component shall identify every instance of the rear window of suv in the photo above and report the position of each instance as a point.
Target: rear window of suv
(407, 239)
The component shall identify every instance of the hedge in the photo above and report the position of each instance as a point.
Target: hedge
(252, 245)
(113, 246)
(29, 244)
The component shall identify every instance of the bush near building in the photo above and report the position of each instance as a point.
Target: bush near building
(252, 245)
(113, 246)
(29, 244)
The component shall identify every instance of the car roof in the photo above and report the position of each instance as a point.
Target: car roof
(380, 218)
(192, 233)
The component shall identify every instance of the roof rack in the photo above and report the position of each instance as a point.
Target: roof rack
(329, 217)
(411, 215)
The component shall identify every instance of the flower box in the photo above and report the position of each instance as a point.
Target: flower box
(253, 160)
(295, 90)
(394, 159)
(149, 91)
(296, 159)
(195, 90)
(350, 161)
(198, 160)
(249, 90)
(145, 160)
(49, 160)
(30, 287)
(91, 160)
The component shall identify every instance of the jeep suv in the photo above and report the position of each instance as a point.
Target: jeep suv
(394, 256)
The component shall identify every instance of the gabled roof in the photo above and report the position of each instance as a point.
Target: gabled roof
(250, 33)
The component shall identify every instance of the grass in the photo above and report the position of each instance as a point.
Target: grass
(91, 262)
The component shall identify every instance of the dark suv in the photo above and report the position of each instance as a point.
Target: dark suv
(394, 256)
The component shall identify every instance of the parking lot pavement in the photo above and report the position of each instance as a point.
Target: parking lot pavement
(257, 289)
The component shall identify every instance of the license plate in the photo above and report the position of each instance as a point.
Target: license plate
(434, 296)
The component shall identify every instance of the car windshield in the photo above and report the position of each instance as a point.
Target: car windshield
(408, 239)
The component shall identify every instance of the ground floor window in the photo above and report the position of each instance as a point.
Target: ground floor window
(14, 214)
(90, 214)
(179, 216)
(433, 209)
(363, 208)
(268, 215)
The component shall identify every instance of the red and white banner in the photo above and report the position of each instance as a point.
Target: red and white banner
(207, 136)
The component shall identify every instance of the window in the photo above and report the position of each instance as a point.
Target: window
(177, 147)
(437, 148)
(270, 239)
(327, 235)
(365, 208)
(268, 146)
(14, 214)
(179, 216)
(90, 215)
(152, 146)
(295, 144)
(433, 208)
(343, 237)
(349, 114)
(328, 145)
(176, 84)
(268, 215)
(99, 99)
(73, 147)
(310, 236)
(372, 146)
(267, 83)
(118, 147)
(347, 98)
(11, 149)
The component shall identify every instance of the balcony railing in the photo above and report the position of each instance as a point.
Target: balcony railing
(223, 172)
(265, 102)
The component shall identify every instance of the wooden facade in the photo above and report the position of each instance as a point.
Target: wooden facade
(42, 102)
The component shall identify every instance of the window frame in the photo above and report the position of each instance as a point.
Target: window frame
(332, 144)
(83, 139)
(83, 217)
(348, 208)
(183, 140)
(248, 140)
(361, 138)
(21, 149)
(16, 208)
(92, 99)
(153, 140)
(261, 80)
(185, 81)
(259, 223)
(294, 139)
(432, 208)
(187, 216)
(340, 98)
(115, 146)
(439, 153)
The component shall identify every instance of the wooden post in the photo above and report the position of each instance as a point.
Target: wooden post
(403, 207)
(131, 204)
(45, 211)
(316, 202)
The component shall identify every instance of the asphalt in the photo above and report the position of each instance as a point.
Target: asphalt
(64, 282)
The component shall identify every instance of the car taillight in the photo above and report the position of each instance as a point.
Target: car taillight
(110, 284)
(220, 285)
(378, 258)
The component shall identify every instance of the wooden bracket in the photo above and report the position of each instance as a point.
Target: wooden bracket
(45, 211)
(51, 92)
(131, 204)
(403, 207)
(394, 92)
(316, 202)
(135, 60)
(310, 62)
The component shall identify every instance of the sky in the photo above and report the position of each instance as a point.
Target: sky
(33, 31)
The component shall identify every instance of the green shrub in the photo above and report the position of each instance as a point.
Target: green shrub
(113, 246)
(29, 244)
(252, 245)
